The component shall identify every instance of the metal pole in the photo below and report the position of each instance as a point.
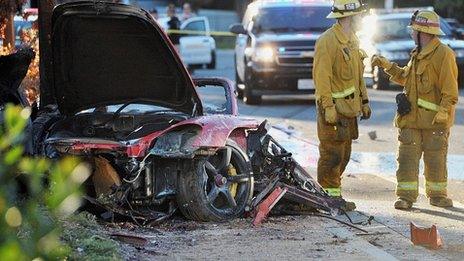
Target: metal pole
(45, 8)
(9, 40)
(389, 4)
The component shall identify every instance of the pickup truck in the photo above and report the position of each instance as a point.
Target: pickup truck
(197, 48)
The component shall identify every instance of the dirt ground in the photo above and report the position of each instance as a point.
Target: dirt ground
(307, 237)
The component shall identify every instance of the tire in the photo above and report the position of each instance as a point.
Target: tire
(248, 96)
(40, 127)
(237, 89)
(199, 196)
(212, 65)
(237, 80)
(381, 81)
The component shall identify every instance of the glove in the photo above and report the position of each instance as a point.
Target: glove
(441, 117)
(330, 114)
(366, 112)
(380, 61)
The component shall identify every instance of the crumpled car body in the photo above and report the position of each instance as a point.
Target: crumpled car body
(13, 69)
(119, 97)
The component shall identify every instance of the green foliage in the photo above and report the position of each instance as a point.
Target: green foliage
(450, 8)
(28, 222)
(10, 6)
(87, 241)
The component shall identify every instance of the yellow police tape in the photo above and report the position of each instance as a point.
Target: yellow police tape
(190, 32)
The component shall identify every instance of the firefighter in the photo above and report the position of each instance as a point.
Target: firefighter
(426, 112)
(340, 93)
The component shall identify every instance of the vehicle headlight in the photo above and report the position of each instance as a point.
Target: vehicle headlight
(175, 142)
(263, 54)
(459, 53)
(396, 55)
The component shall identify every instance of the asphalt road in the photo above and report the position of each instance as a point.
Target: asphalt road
(299, 113)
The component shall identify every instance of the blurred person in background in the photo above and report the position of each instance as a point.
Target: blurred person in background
(187, 12)
(154, 13)
(173, 24)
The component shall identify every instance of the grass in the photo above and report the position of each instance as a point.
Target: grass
(83, 235)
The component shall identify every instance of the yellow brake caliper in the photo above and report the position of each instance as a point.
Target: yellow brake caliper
(233, 187)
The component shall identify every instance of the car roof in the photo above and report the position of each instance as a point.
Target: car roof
(289, 3)
(394, 16)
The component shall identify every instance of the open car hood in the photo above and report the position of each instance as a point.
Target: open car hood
(13, 69)
(105, 53)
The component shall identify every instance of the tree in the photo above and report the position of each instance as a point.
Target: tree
(451, 8)
(7, 10)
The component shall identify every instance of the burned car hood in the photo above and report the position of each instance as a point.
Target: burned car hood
(105, 53)
(13, 69)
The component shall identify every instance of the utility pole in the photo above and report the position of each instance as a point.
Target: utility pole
(389, 4)
(45, 18)
(9, 40)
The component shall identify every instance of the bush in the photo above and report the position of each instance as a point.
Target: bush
(29, 222)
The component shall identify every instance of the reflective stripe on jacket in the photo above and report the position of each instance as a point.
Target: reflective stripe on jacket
(338, 72)
(430, 81)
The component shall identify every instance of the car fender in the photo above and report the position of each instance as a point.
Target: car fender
(215, 130)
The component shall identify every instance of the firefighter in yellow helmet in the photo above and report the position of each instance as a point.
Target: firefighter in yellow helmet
(426, 111)
(340, 92)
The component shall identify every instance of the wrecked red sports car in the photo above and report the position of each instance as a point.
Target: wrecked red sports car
(117, 95)
(120, 98)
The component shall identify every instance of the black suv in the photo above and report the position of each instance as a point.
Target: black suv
(275, 47)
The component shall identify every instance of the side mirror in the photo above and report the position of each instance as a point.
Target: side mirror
(237, 29)
(458, 34)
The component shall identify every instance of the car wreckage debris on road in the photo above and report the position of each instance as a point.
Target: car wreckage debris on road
(153, 147)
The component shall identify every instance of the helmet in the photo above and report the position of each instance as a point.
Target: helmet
(345, 8)
(427, 22)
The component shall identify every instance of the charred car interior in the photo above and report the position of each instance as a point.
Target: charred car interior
(120, 98)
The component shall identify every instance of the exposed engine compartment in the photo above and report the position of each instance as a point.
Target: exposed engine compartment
(118, 181)
(114, 126)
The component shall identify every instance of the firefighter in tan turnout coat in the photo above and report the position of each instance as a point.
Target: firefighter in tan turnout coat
(431, 93)
(340, 92)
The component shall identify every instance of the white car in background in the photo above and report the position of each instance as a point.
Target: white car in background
(198, 48)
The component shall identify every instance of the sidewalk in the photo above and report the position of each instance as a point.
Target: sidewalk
(375, 195)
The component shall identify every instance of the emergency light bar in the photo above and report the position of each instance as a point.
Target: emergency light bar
(401, 10)
(293, 1)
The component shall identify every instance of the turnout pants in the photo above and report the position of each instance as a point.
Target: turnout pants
(433, 145)
(335, 151)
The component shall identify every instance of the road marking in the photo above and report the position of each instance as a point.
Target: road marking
(361, 244)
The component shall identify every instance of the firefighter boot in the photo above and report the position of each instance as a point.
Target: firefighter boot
(442, 202)
(403, 204)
